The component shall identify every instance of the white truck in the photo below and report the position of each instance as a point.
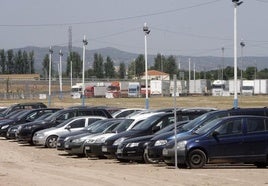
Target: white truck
(181, 88)
(220, 88)
(199, 86)
(231, 86)
(247, 87)
(260, 86)
(159, 88)
(134, 89)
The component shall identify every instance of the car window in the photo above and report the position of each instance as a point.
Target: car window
(230, 127)
(255, 125)
(79, 123)
(66, 116)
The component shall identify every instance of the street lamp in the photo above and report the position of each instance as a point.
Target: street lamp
(60, 73)
(146, 32)
(85, 42)
(49, 76)
(236, 4)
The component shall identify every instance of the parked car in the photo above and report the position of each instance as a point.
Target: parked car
(234, 139)
(30, 105)
(48, 137)
(11, 132)
(25, 132)
(155, 146)
(122, 113)
(93, 146)
(75, 144)
(146, 127)
(133, 149)
(23, 116)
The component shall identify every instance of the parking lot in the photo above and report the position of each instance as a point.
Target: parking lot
(21, 164)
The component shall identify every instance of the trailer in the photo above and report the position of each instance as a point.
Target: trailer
(95, 91)
(247, 87)
(159, 88)
(134, 89)
(117, 89)
(220, 88)
(199, 86)
(181, 88)
(260, 86)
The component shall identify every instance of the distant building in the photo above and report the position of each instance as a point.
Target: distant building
(156, 75)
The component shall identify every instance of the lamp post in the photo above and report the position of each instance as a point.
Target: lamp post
(83, 71)
(222, 72)
(146, 32)
(60, 73)
(236, 4)
(242, 44)
(49, 76)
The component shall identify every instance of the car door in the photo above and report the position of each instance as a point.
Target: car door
(76, 124)
(256, 139)
(228, 143)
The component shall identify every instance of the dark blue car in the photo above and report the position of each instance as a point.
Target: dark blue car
(234, 139)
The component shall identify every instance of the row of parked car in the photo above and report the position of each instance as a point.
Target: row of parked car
(186, 137)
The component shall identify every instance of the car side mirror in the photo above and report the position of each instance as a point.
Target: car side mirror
(68, 127)
(155, 129)
(215, 134)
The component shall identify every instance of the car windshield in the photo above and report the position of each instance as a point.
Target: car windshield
(94, 124)
(102, 127)
(54, 115)
(194, 122)
(146, 123)
(123, 125)
(204, 129)
(43, 116)
(14, 113)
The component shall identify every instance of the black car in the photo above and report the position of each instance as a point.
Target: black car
(26, 131)
(23, 116)
(149, 127)
(155, 146)
(133, 149)
(30, 105)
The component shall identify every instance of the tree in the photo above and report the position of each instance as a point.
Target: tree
(45, 68)
(18, 63)
(31, 61)
(3, 61)
(75, 59)
(140, 65)
(25, 64)
(249, 73)
(122, 70)
(98, 66)
(10, 62)
(159, 61)
(109, 69)
(170, 66)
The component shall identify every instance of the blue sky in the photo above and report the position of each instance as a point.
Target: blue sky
(190, 27)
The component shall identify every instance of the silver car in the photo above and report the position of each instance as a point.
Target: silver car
(48, 137)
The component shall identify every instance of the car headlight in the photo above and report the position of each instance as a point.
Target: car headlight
(118, 141)
(28, 127)
(100, 140)
(132, 145)
(160, 142)
(77, 140)
(181, 145)
(39, 134)
(5, 126)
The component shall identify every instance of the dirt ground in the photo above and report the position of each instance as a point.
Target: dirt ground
(21, 164)
(24, 165)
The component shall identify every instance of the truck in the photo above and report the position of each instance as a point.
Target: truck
(159, 88)
(231, 86)
(260, 86)
(95, 91)
(134, 89)
(247, 87)
(181, 88)
(220, 88)
(199, 86)
(117, 89)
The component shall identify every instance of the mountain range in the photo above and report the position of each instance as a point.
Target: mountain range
(202, 63)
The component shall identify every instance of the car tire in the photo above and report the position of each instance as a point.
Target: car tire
(51, 141)
(148, 160)
(196, 159)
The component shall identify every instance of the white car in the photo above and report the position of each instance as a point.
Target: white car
(48, 137)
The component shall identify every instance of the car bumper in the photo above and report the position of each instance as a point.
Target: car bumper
(134, 154)
(94, 150)
(155, 153)
(39, 140)
(75, 149)
(169, 156)
(109, 151)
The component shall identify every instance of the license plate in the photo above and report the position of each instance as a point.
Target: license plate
(87, 147)
(119, 151)
(104, 149)
(164, 152)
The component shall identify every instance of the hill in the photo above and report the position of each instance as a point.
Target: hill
(201, 62)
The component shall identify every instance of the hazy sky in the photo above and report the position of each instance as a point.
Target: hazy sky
(189, 27)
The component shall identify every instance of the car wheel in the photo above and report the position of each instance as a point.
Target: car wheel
(148, 160)
(196, 159)
(51, 142)
(260, 165)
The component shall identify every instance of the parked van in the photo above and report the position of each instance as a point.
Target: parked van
(234, 139)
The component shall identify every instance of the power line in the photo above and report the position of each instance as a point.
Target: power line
(112, 19)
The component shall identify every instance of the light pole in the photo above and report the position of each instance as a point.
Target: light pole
(242, 44)
(83, 71)
(236, 4)
(49, 76)
(146, 32)
(60, 73)
(222, 72)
